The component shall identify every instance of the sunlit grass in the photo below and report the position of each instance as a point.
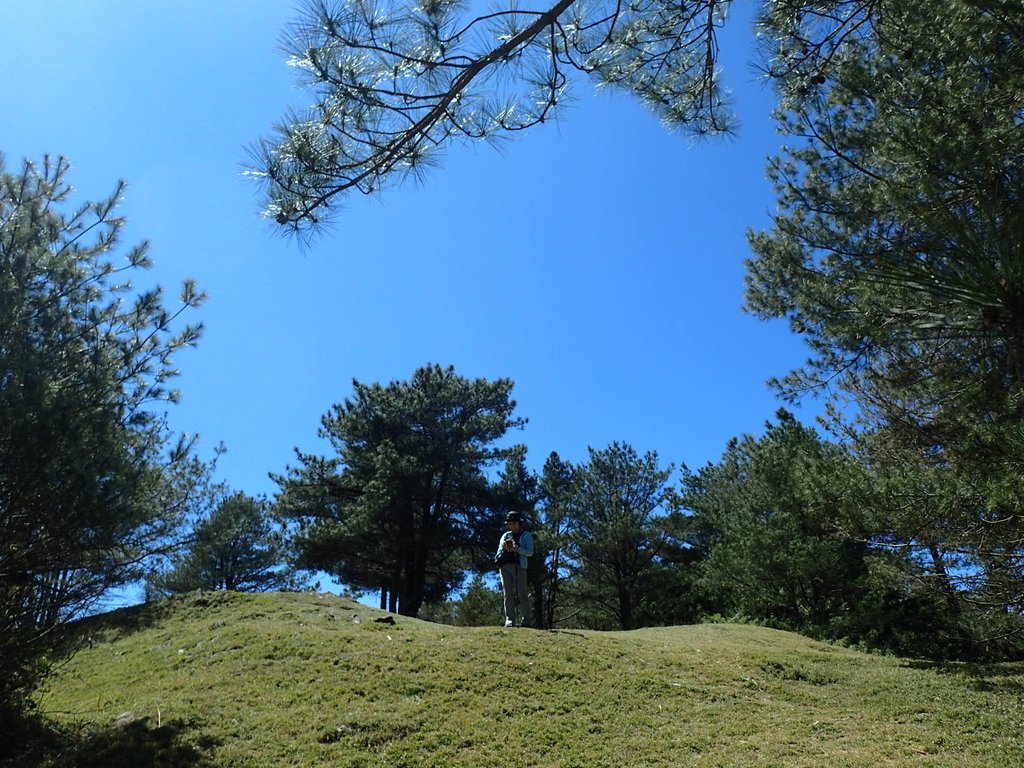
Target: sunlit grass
(224, 679)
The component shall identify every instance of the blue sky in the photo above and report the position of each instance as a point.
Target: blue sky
(596, 261)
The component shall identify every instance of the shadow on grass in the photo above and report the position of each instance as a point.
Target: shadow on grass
(37, 743)
(1005, 677)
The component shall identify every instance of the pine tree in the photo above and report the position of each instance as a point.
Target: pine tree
(897, 254)
(404, 503)
(615, 538)
(89, 473)
(238, 548)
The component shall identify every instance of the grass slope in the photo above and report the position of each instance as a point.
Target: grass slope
(224, 679)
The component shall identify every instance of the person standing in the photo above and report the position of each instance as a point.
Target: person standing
(513, 558)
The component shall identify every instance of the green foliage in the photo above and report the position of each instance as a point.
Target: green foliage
(238, 547)
(395, 83)
(898, 241)
(479, 605)
(790, 533)
(264, 680)
(91, 482)
(898, 252)
(768, 522)
(550, 567)
(615, 542)
(405, 503)
(960, 565)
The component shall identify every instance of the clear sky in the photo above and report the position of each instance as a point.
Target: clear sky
(596, 261)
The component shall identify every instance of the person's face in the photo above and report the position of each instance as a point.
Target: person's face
(514, 525)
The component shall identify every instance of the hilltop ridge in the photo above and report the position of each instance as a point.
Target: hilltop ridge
(303, 679)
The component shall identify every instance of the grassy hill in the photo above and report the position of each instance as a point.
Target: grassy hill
(271, 680)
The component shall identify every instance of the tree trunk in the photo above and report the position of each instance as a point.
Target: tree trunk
(945, 585)
(538, 603)
(625, 609)
(393, 593)
(414, 578)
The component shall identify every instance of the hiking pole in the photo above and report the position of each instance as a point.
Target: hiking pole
(519, 608)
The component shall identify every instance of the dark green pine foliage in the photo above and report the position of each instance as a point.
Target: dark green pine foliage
(404, 503)
(238, 547)
(783, 524)
(774, 547)
(89, 474)
(554, 520)
(898, 252)
(618, 498)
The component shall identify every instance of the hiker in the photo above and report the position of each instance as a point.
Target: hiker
(513, 558)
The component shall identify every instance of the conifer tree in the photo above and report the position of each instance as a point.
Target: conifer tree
(616, 539)
(897, 254)
(404, 502)
(238, 548)
(92, 483)
(555, 513)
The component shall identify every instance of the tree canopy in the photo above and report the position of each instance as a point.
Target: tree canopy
(238, 547)
(898, 252)
(405, 500)
(394, 83)
(91, 480)
(768, 520)
(615, 541)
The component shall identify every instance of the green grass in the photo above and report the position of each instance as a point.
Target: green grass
(271, 680)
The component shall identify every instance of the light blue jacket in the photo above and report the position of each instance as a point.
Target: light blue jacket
(525, 547)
